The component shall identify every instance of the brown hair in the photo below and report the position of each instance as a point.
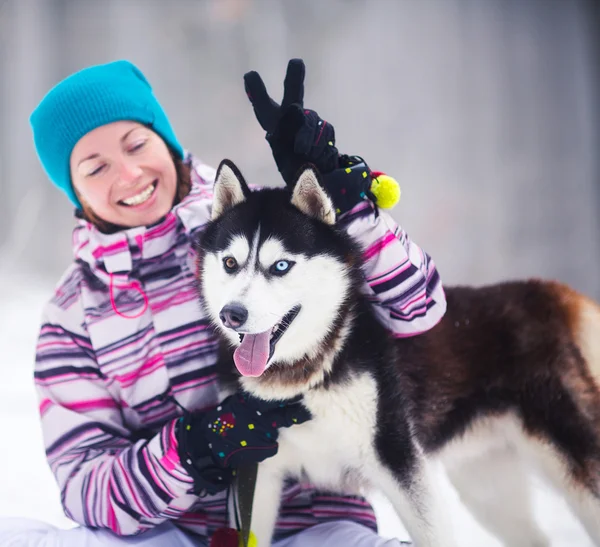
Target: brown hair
(183, 171)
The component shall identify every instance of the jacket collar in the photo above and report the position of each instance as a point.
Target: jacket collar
(112, 253)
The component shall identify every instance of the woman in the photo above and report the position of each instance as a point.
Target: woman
(125, 349)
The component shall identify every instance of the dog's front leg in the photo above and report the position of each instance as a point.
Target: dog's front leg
(419, 504)
(267, 498)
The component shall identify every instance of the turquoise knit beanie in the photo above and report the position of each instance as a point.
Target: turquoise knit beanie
(87, 99)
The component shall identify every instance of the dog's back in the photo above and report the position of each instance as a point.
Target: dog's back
(527, 347)
(511, 375)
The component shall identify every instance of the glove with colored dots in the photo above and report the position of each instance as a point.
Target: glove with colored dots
(240, 431)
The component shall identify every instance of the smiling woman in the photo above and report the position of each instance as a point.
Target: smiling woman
(124, 173)
(126, 355)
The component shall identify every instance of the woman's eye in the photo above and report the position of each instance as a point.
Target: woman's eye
(137, 146)
(230, 264)
(281, 267)
(96, 171)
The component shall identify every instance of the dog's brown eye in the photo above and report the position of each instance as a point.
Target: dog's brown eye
(230, 264)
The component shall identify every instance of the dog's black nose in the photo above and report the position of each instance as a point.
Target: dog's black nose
(233, 315)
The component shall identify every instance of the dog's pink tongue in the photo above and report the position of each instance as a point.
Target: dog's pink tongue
(252, 354)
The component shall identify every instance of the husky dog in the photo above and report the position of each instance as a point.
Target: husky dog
(509, 377)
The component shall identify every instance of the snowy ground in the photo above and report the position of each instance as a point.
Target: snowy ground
(27, 488)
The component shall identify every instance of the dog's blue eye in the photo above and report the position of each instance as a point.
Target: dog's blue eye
(281, 267)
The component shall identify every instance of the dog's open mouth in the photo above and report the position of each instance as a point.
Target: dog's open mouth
(255, 350)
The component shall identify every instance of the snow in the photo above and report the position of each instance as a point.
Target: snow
(27, 487)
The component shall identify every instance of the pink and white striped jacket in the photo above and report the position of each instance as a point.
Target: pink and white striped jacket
(124, 337)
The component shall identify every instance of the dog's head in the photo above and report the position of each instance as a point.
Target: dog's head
(276, 276)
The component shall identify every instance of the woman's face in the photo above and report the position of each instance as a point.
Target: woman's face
(124, 172)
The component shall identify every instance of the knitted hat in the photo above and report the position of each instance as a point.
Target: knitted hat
(87, 99)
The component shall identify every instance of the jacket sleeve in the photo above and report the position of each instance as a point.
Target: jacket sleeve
(402, 282)
(106, 478)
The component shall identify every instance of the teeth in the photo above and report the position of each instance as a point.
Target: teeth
(275, 328)
(141, 197)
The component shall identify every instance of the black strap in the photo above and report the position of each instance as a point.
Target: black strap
(246, 484)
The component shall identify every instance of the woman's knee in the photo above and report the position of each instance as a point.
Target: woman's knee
(31, 533)
(22, 532)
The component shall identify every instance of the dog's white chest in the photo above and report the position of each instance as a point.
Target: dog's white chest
(335, 448)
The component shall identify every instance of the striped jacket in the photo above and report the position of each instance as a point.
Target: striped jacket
(124, 339)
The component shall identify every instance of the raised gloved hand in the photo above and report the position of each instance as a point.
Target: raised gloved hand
(298, 136)
(240, 431)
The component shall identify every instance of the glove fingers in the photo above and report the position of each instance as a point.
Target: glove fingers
(328, 161)
(250, 446)
(265, 108)
(249, 455)
(290, 414)
(329, 135)
(324, 134)
(316, 142)
(293, 85)
(291, 122)
(275, 414)
(305, 137)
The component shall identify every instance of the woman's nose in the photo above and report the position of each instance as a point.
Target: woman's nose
(130, 171)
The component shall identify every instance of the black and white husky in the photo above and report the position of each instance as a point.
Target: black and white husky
(510, 376)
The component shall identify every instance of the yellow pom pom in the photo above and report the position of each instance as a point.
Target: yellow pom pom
(252, 541)
(386, 190)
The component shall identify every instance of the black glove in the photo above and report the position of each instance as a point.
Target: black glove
(241, 430)
(298, 136)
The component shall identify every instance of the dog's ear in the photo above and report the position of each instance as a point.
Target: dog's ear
(229, 190)
(310, 198)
